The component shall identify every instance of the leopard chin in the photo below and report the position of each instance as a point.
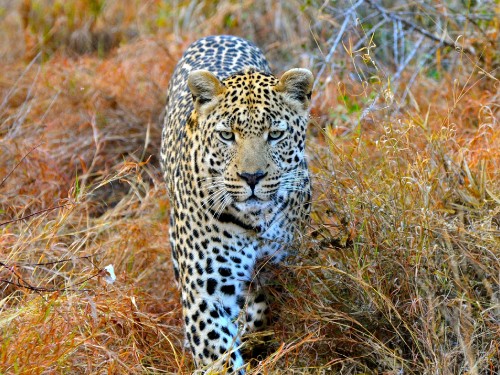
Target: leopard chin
(253, 205)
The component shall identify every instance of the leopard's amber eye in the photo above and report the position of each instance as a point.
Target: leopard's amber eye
(227, 136)
(275, 135)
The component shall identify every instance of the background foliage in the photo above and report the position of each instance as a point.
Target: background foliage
(398, 272)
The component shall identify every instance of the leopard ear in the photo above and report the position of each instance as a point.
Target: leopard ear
(297, 85)
(204, 87)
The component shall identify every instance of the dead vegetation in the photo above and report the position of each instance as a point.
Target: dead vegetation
(399, 270)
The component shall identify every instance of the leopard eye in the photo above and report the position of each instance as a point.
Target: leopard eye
(275, 135)
(226, 136)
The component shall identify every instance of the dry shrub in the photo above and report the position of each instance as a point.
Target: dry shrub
(80, 190)
(58, 302)
(401, 274)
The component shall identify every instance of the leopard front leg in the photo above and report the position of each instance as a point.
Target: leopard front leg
(212, 328)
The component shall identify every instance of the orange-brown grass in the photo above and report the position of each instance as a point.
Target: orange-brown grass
(78, 192)
(398, 271)
(401, 270)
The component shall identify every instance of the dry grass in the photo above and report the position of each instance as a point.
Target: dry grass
(399, 271)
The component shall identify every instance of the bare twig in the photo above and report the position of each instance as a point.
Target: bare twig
(13, 88)
(396, 76)
(417, 28)
(34, 214)
(414, 76)
(395, 38)
(25, 285)
(368, 34)
(22, 283)
(337, 40)
(20, 161)
(487, 37)
(53, 262)
(408, 59)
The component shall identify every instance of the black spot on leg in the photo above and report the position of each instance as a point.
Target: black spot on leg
(260, 298)
(209, 268)
(240, 301)
(228, 289)
(212, 335)
(196, 340)
(211, 285)
(195, 316)
(225, 271)
(221, 259)
(236, 260)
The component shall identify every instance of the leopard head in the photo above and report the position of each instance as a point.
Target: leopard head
(251, 129)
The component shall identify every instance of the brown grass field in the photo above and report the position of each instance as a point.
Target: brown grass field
(398, 272)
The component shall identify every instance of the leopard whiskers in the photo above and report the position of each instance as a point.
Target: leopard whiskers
(292, 181)
(224, 202)
(218, 198)
(213, 198)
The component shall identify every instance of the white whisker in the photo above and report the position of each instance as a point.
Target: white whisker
(223, 204)
(218, 198)
(213, 198)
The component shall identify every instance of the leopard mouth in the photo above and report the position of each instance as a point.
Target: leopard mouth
(253, 198)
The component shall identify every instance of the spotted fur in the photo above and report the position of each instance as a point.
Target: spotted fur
(233, 160)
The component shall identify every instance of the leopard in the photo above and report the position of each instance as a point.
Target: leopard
(233, 159)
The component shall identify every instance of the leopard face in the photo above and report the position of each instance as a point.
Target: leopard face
(252, 127)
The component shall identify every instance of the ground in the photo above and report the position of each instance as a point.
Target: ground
(398, 269)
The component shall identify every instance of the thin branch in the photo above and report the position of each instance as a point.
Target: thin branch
(414, 76)
(25, 285)
(337, 40)
(20, 161)
(395, 40)
(395, 78)
(417, 28)
(22, 283)
(87, 257)
(487, 37)
(368, 34)
(35, 213)
(408, 59)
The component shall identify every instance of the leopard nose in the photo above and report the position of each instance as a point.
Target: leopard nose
(252, 179)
